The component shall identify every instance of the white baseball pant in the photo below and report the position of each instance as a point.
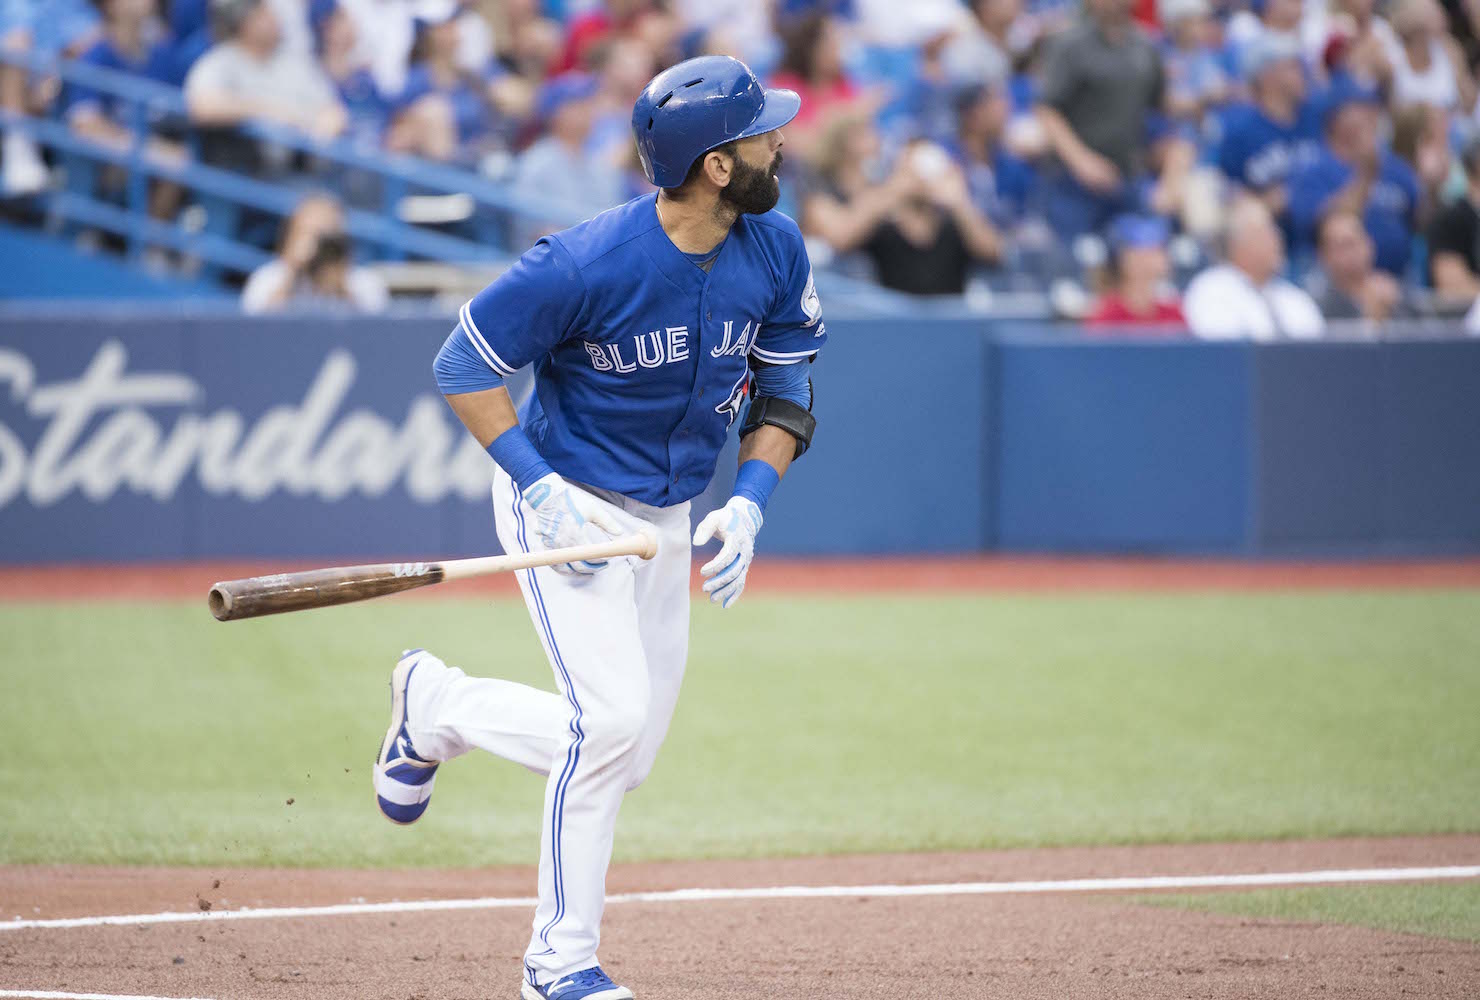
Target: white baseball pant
(617, 641)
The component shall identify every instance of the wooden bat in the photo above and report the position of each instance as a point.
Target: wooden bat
(322, 588)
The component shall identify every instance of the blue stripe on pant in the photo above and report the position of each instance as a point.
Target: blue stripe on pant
(573, 755)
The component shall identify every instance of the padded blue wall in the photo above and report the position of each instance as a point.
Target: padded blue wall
(1368, 447)
(1137, 446)
(933, 436)
(1430, 445)
(900, 459)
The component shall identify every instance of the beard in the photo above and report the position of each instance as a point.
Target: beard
(753, 190)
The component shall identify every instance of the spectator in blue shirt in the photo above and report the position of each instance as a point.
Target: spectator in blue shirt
(1268, 140)
(337, 42)
(444, 112)
(1002, 186)
(558, 166)
(47, 29)
(1354, 172)
(191, 28)
(133, 42)
(136, 43)
(925, 93)
(1195, 77)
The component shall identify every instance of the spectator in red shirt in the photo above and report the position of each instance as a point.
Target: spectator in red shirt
(812, 65)
(585, 30)
(1139, 293)
(642, 19)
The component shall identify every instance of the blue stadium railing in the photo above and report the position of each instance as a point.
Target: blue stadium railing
(225, 193)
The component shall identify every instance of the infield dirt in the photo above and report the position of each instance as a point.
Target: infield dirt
(1055, 945)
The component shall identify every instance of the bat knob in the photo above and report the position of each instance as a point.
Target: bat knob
(648, 544)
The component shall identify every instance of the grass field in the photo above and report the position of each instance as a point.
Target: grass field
(147, 733)
(1449, 910)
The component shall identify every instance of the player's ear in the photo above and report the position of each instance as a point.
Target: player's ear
(719, 165)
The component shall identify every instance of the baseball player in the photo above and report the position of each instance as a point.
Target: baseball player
(646, 326)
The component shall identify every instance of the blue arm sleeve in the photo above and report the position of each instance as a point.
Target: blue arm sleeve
(459, 367)
(757, 478)
(512, 322)
(788, 382)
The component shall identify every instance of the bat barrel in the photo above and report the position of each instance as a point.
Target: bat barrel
(319, 588)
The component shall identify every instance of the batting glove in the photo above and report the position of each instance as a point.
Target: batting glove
(565, 515)
(736, 524)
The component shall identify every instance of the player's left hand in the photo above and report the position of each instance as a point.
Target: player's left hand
(736, 524)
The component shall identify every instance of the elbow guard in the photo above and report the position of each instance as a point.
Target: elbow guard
(776, 412)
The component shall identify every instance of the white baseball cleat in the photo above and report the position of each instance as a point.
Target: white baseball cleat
(403, 779)
(588, 984)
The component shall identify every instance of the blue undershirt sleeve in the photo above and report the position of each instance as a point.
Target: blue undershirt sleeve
(756, 478)
(788, 382)
(460, 368)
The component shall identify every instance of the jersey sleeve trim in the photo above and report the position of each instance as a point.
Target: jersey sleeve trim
(781, 357)
(487, 352)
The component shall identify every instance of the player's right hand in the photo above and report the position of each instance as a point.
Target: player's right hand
(565, 516)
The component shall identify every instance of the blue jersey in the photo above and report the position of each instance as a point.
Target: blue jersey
(470, 109)
(1390, 214)
(367, 108)
(1261, 153)
(156, 62)
(641, 357)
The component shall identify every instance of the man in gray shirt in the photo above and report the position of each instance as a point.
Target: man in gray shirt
(1348, 286)
(250, 75)
(1100, 107)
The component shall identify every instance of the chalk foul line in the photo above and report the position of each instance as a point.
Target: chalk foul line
(1123, 884)
(53, 995)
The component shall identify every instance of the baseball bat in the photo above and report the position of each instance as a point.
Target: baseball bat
(322, 588)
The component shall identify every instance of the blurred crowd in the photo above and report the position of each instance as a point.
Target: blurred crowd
(1236, 167)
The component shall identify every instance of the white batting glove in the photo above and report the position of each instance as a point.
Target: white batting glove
(565, 515)
(736, 524)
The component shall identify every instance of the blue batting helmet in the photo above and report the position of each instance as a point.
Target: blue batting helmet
(700, 104)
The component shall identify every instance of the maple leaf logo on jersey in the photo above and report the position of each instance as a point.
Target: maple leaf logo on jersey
(736, 398)
(811, 304)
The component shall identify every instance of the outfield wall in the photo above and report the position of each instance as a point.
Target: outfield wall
(147, 436)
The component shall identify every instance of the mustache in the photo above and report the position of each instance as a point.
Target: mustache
(776, 163)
